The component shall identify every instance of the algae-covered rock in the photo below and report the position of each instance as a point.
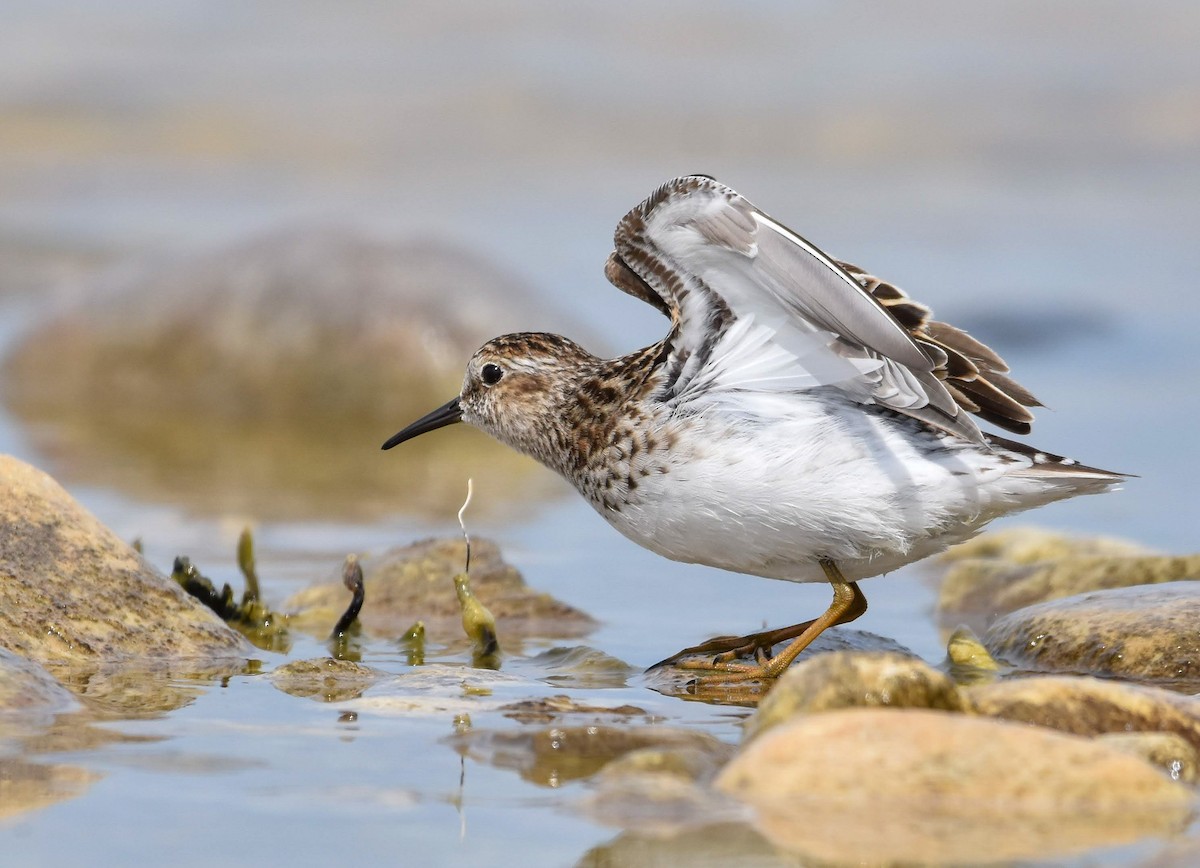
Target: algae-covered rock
(262, 379)
(1004, 571)
(845, 679)
(327, 680)
(1087, 706)
(1147, 632)
(70, 590)
(417, 582)
(884, 785)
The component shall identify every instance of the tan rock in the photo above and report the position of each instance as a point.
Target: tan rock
(70, 590)
(1088, 706)
(844, 679)
(885, 785)
(1147, 633)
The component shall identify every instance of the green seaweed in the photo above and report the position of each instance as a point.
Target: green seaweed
(478, 623)
(265, 628)
(413, 641)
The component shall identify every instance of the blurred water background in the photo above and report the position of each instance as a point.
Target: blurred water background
(1030, 170)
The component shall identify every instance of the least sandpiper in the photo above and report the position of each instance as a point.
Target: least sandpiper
(802, 419)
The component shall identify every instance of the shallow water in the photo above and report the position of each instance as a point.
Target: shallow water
(1030, 172)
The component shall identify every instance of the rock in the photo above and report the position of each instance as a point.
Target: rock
(892, 785)
(71, 591)
(1004, 571)
(845, 679)
(326, 679)
(262, 379)
(1145, 633)
(416, 582)
(551, 756)
(1088, 706)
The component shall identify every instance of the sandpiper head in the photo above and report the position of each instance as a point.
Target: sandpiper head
(515, 386)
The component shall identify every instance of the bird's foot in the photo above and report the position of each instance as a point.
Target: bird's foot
(715, 654)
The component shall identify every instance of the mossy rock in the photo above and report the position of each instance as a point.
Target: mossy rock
(416, 583)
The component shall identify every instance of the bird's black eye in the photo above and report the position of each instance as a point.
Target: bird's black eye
(491, 374)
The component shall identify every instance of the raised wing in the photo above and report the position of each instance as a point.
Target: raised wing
(755, 307)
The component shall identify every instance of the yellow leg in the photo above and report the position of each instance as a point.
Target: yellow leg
(848, 603)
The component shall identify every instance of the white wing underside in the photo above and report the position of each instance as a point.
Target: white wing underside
(760, 310)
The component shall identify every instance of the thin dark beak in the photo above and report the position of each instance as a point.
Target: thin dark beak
(447, 414)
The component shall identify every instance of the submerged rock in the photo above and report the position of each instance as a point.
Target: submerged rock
(1144, 633)
(72, 592)
(1004, 571)
(262, 379)
(890, 785)
(416, 582)
(327, 679)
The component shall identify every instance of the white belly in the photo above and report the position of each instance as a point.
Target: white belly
(773, 500)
